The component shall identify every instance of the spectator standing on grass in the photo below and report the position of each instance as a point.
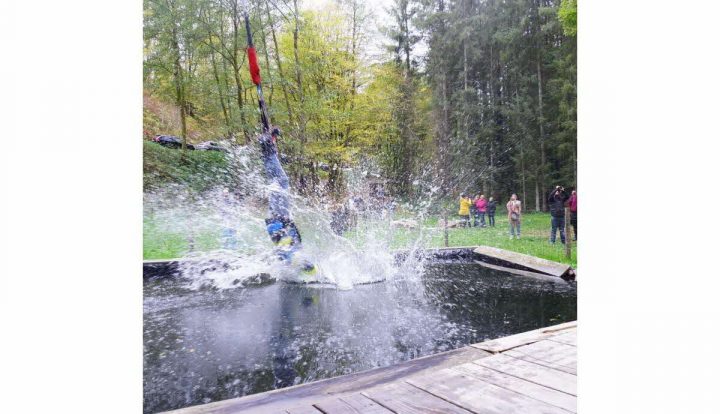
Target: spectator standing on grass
(473, 211)
(514, 209)
(464, 211)
(572, 203)
(556, 202)
(481, 208)
(491, 207)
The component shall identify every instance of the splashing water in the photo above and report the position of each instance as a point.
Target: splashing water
(228, 246)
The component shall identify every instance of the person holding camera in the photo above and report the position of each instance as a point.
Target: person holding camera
(556, 202)
(514, 209)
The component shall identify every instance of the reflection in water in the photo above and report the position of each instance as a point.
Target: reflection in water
(209, 345)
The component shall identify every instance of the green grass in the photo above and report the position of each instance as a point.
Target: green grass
(534, 241)
(159, 244)
(162, 244)
(199, 170)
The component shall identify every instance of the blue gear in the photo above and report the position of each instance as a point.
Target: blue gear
(284, 235)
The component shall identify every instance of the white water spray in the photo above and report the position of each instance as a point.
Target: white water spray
(227, 245)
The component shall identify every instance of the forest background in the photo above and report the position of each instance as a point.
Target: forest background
(433, 95)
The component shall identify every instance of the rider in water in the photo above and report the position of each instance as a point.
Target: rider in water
(280, 226)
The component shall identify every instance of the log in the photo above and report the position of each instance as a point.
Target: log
(405, 224)
(521, 261)
(535, 275)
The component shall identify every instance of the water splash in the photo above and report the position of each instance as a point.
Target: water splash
(227, 246)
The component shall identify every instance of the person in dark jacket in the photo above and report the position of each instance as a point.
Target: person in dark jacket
(572, 203)
(556, 202)
(474, 212)
(491, 207)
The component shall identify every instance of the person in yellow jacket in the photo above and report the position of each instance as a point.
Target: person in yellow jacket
(464, 211)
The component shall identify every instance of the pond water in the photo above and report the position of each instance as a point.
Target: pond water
(209, 345)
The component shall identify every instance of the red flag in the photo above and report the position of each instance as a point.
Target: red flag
(254, 68)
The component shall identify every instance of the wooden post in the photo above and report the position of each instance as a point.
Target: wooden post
(445, 227)
(191, 243)
(567, 232)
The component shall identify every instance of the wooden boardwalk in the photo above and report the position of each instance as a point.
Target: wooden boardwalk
(531, 372)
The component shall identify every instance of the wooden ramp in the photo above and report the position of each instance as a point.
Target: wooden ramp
(506, 258)
(531, 372)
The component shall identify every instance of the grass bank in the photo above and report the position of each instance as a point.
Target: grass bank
(198, 170)
(535, 230)
(159, 244)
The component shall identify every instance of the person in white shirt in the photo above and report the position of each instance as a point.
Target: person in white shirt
(514, 212)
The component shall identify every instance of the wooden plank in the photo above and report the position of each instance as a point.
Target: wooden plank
(555, 352)
(530, 389)
(403, 398)
(479, 396)
(569, 338)
(524, 338)
(518, 355)
(351, 404)
(309, 392)
(431, 385)
(333, 406)
(363, 404)
(303, 409)
(219, 407)
(418, 366)
(518, 272)
(526, 262)
(539, 374)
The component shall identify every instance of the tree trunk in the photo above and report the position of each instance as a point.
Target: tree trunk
(240, 101)
(278, 63)
(236, 18)
(353, 56)
(298, 74)
(267, 61)
(541, 121)
(179, 87)
(228, 103)
(491, 180)
(522, 173)
(466, 109)
(465, 66)
(226, 116)
(541, 118)
(522, 152)
(537, 193)
(445, 155)
(217, 79)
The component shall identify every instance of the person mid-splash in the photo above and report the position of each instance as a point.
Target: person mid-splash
(280, 225)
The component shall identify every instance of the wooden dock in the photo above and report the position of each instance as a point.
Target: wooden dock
(531, 372)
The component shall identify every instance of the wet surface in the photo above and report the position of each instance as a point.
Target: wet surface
(210, 345)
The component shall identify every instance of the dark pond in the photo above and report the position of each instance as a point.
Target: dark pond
(203, 346)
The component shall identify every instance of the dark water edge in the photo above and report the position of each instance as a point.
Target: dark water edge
(204, 346)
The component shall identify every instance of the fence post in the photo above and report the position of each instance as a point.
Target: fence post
(567, 233)
(445, 229)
